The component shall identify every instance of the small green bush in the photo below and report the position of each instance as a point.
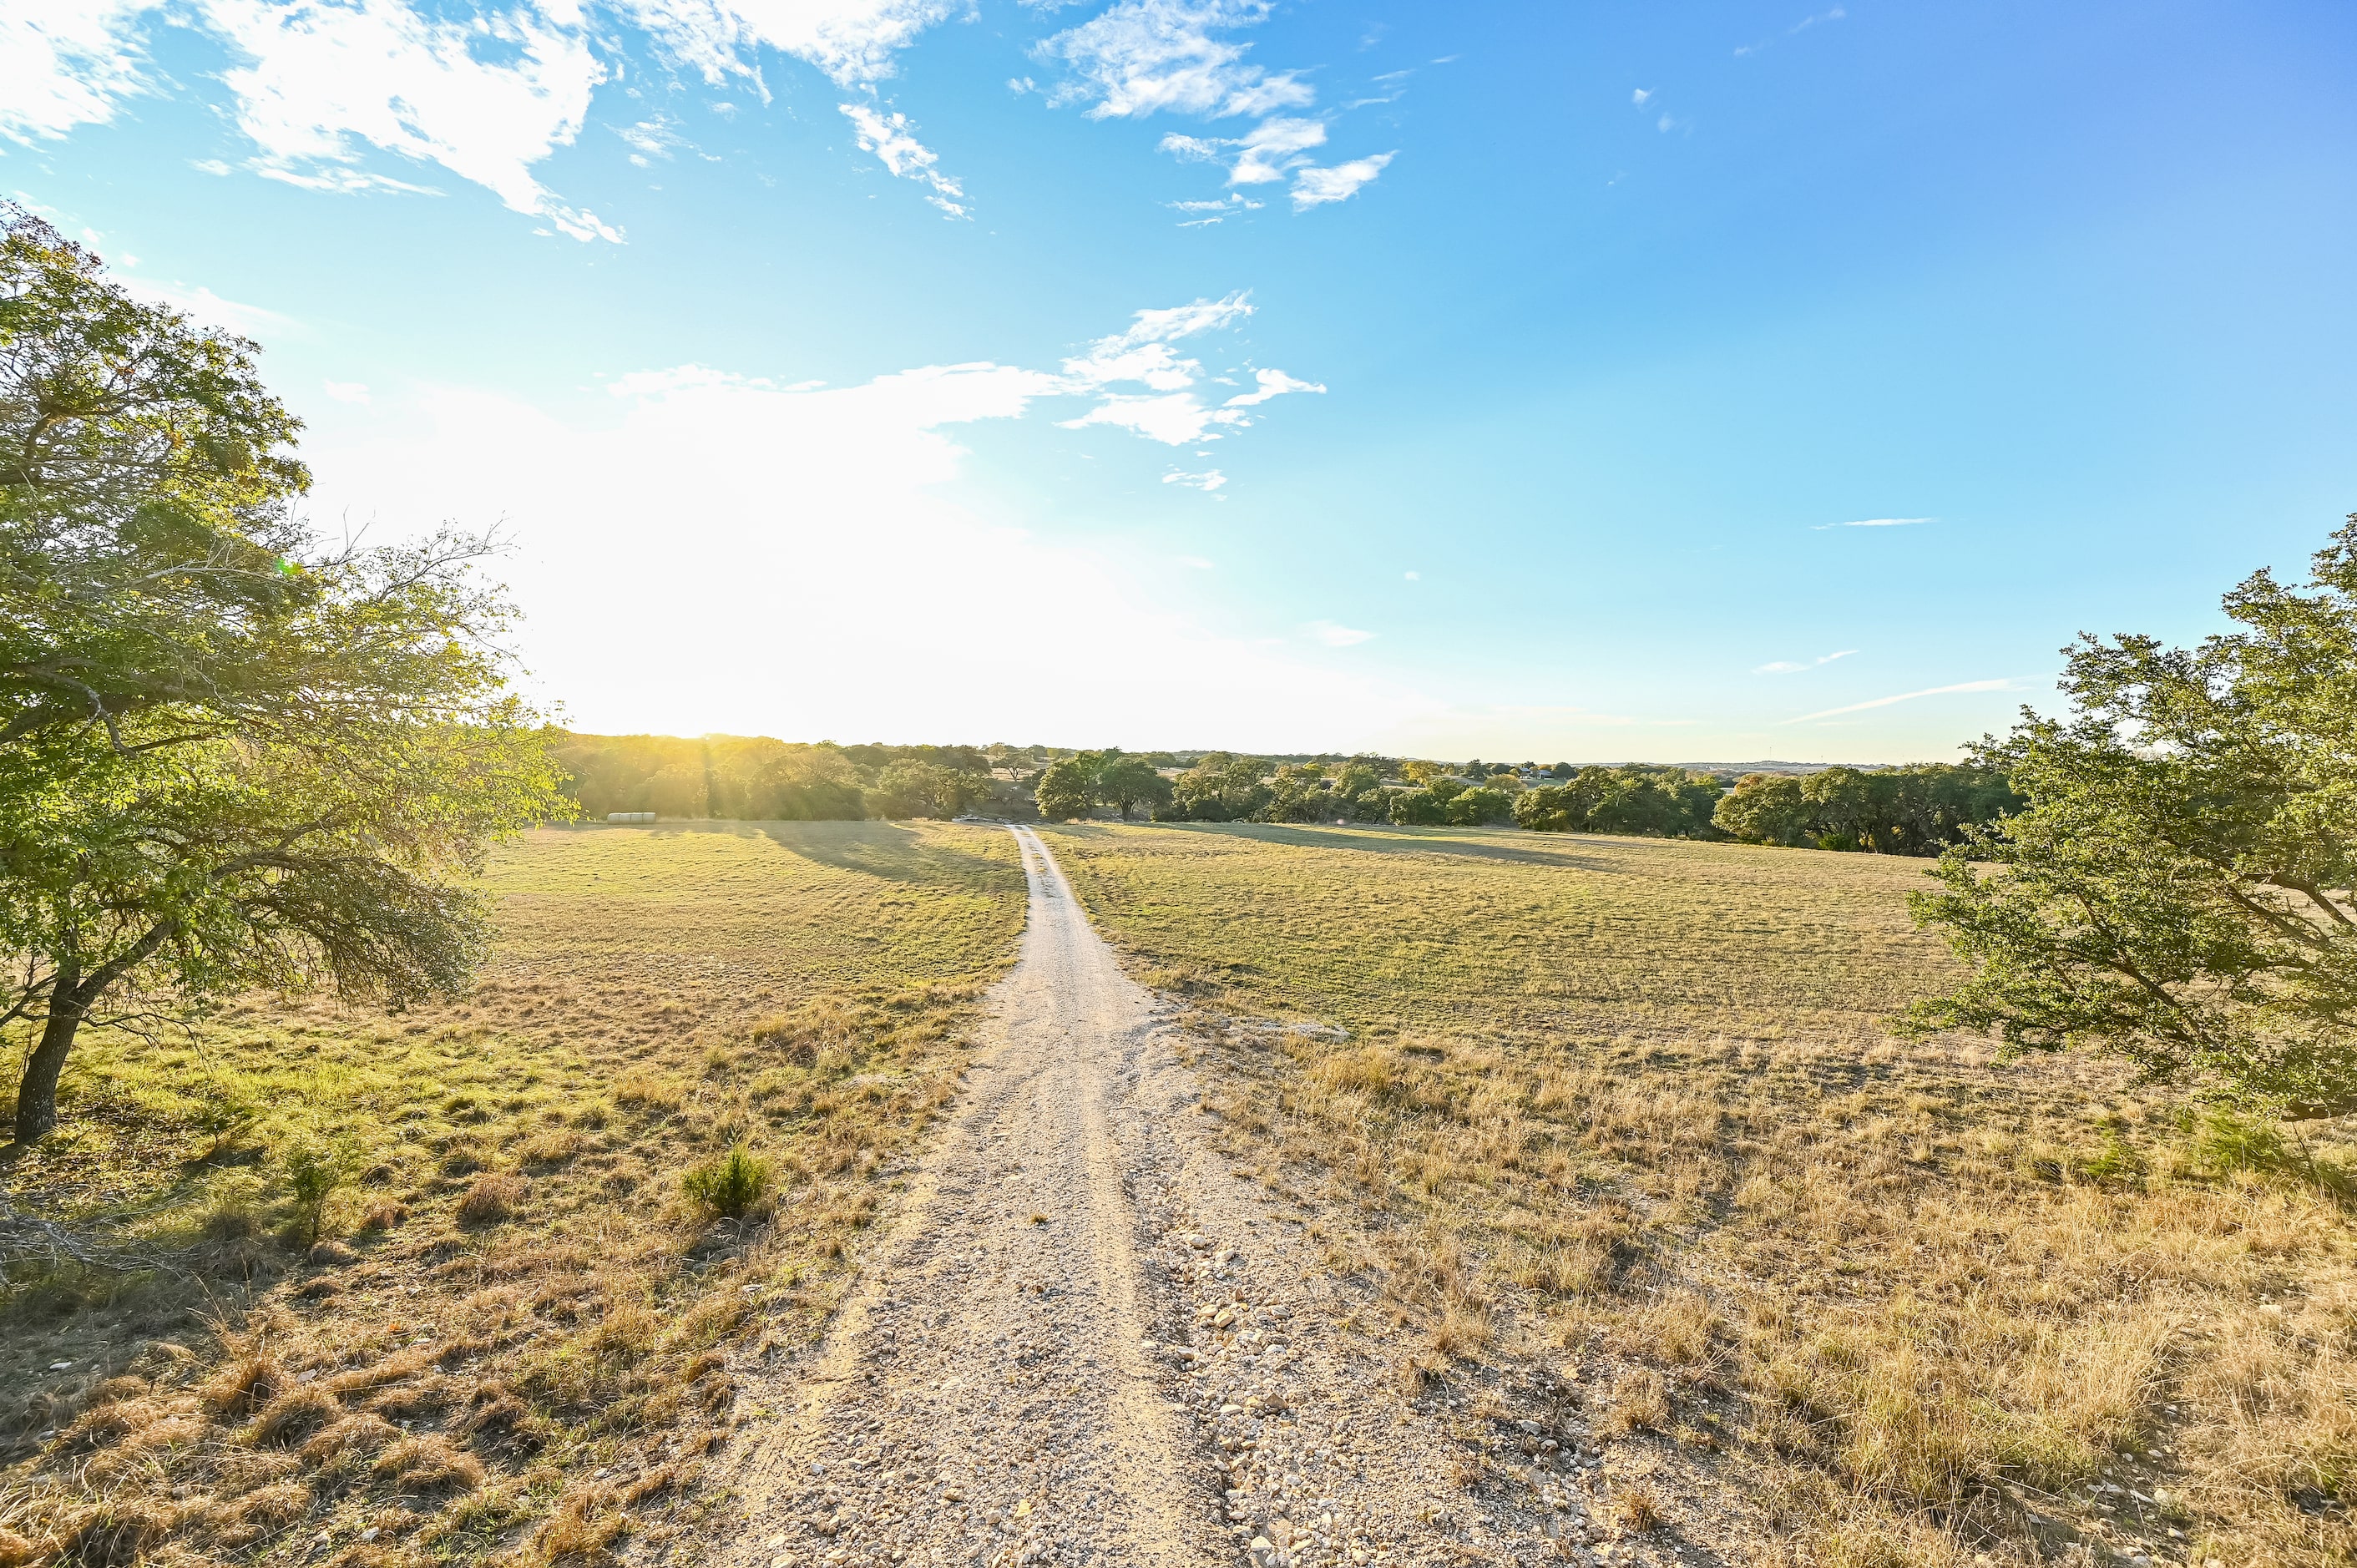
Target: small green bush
(316, 1168)
(729, 1184)
(2223, 1143)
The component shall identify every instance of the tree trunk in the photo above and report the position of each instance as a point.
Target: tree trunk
(37, 1093)
(72, 994)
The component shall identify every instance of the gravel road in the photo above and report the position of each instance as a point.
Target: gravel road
(1080, 1340)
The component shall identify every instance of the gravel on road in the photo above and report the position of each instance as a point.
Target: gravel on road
(1079, 1339)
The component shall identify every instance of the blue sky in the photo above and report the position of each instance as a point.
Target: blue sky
(1509, 379)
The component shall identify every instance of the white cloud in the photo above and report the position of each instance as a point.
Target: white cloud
(1148, 57)
(1214, 212)
(1792, 666)
(1273, 383)
(1273, 149)
(1208, 480)
(486, 99)
(657, 137)
(1315, 186)
(1875, 522)
(1336, 635)
(1412, 577)
(66, 65)
(1171, 415)
(1265, 153)
(892, 139)
(1998, 686)
(1143, 57)
(1172, 418)
(1197, 562)
(348, 392)
(853, 41)
(1142, 353)
(1641, 96)
(486, 94)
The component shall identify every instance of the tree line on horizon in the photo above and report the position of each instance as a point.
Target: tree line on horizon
(1917, 810)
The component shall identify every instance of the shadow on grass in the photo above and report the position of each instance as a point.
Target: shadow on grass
(1374, 839)
(893, 852)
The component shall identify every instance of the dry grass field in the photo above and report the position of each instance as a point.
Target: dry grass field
(511, 1338)
(1627, 1108)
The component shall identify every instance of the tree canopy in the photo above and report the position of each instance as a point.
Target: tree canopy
(1668, 802)
(1066, 789)
(2179, 887)
(229, 756)
(1920, 810)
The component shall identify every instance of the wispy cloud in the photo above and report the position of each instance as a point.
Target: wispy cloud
(1272, 383)
(486, 97)
(1835, 14)
(1335, 635)
(893, 140)
(1790, 666)
(1148, 57)
(1265, 153)
(1875, 522)
(2005, 684)
(63, 66)
(853, 41)
(1145, 57)
(1170, 410)
(1208, 480)
(319, 85)
(655, 137)
(347, 391)
(1641, 96)
(1315, 186)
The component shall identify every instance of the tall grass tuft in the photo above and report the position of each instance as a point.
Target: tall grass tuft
(731, 1185)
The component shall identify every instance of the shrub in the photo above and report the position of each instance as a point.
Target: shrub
(316, 1169)
(729, 1184)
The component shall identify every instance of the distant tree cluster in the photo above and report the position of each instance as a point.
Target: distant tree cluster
(1922, 809)
(747, 779)
(1228, 787)
(1664, 802)
(1074, 784)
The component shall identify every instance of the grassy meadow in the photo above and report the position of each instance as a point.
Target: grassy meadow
(1628, 1105)
(508, 1337)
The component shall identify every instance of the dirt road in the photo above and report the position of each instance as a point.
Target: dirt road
(1080, 1341)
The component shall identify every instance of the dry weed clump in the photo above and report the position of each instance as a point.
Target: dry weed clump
(439, 1383)
(1920, 1305)
(491, 1198)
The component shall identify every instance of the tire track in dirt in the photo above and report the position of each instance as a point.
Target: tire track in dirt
(1080, 1340)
